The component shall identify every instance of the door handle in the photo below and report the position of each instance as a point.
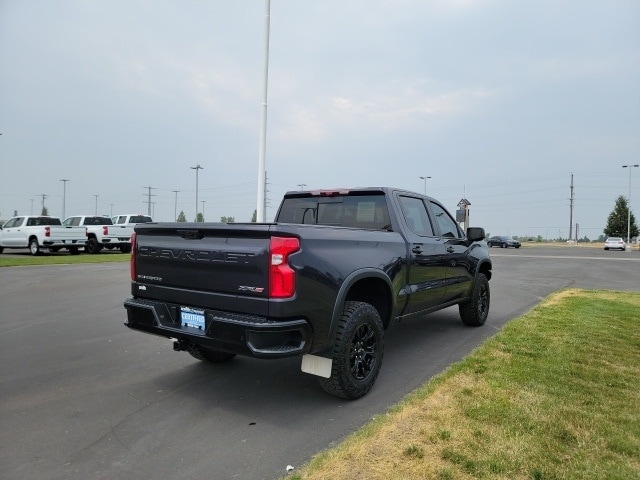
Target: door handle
(451, 250)
(417, 249)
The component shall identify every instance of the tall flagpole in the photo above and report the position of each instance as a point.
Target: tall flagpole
(261, 207)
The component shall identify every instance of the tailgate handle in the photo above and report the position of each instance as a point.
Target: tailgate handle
(190, 234)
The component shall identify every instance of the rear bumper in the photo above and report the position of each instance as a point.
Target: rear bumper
(116, 241)
(248, 335)
(56, 242)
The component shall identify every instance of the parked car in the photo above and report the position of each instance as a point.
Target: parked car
(123, 226)
(41, 232)
(504, 242)
(100, 233)
(614, 243)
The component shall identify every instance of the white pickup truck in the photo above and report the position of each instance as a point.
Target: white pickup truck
(37, 232)
(123, 227)
(100, 233)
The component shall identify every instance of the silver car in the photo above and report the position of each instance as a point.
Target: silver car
(614, 243)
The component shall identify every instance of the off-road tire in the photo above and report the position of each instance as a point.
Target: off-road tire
(475, 311)
(357, 352)
(210, 355)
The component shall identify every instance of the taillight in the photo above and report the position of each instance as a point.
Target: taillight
(132, 264)
(282, 278)
(105, 230)
(47, 231)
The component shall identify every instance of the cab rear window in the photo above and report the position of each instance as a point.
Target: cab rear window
(356, 211)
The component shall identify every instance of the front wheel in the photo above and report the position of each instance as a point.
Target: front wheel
(34, 248)
(475, 311)
(357, 352)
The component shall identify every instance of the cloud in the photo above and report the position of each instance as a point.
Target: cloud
(397, 106)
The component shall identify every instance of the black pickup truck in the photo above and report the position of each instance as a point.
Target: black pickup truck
(323, 281)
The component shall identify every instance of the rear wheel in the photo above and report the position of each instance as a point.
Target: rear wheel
(210, 355)
(357, 352)
(93, 246)
(34, 248)
(474, 312)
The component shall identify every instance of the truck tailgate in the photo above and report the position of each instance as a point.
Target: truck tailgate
(218, 260)
(59, 232)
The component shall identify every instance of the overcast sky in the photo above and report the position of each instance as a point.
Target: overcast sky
(497, 101)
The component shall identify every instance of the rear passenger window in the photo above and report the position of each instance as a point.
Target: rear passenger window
(415, 214)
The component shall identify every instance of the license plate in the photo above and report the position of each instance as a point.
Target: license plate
(190, 317)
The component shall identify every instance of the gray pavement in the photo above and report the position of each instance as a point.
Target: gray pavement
(81, 396)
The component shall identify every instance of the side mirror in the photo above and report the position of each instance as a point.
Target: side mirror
(475, 234)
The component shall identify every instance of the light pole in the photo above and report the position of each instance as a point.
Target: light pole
(629, 203)
(96, 204)
(203, 202)
(302, 185)
(196, 168)
(425, 184)
(64, 195)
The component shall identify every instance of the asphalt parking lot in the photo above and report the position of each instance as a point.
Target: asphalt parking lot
(81, 396)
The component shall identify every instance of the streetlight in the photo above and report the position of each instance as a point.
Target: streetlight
(196, 168)
(261, 207)
(302, 185)
(96, 203)
(64, 195)
(425, 184)
(203, 202)
(629, 204)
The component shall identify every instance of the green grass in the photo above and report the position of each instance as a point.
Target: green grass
(554, 395)
(62, 258)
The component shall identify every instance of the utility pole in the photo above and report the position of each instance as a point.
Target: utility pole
(571, 210)
(64, 196)
(629, 203)
(43, 198)
(148, 202)
(175, 207)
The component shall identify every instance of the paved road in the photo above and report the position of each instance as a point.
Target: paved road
(83, 397)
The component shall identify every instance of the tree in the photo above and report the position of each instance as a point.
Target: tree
(227, 219)
(618, 220)
(45, 212)
(254, 217)
(200, 217)
(182, 217)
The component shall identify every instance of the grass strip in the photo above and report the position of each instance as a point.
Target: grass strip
(555, 395)
(63, 259)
